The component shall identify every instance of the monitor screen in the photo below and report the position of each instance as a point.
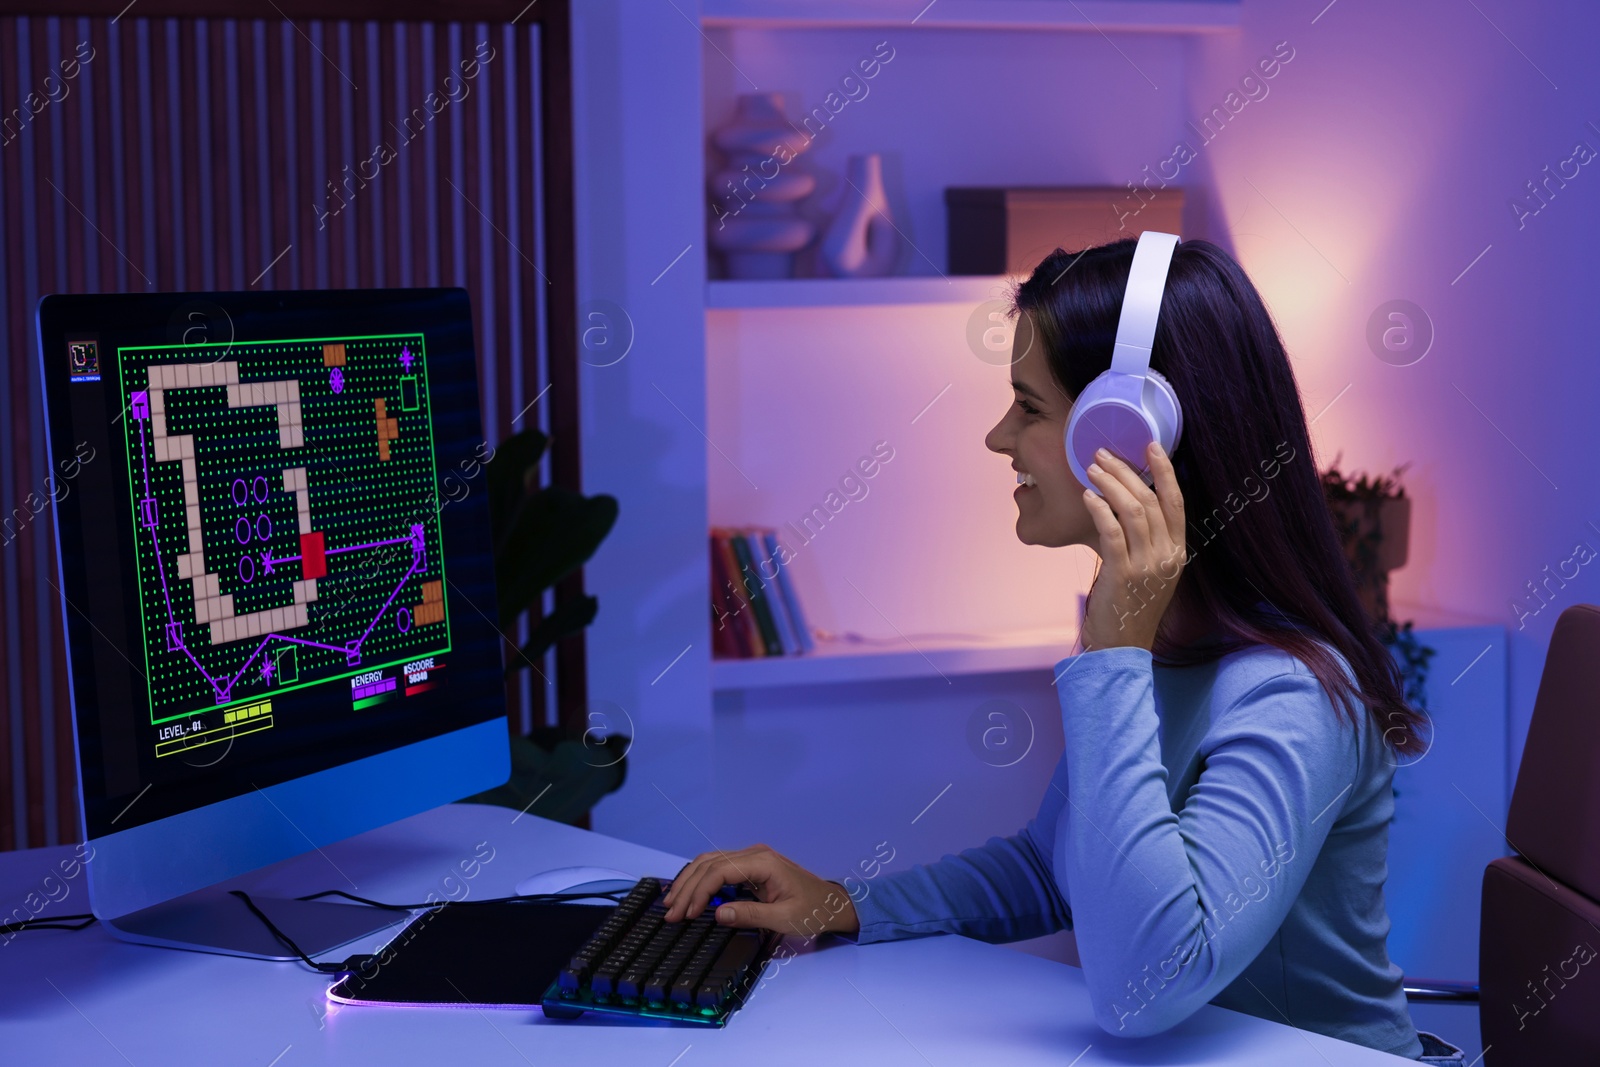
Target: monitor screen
(273, 529)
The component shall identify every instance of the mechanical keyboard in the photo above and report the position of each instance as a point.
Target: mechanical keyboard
(635, 963)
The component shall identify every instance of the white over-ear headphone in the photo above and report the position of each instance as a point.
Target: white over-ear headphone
(1130, 405)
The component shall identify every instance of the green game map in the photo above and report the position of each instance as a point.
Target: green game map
(286, 519)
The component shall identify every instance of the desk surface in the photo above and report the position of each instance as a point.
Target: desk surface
(84, 997)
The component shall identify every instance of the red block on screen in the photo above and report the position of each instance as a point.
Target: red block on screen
(313, 560)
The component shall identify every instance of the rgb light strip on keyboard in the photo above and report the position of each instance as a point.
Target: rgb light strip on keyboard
(635, 963)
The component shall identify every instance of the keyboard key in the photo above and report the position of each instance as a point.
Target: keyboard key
(604, 981)
(728, 972)
(636, 961)
(711, 994)
(686, 985)
(659, 985)
(664, 938)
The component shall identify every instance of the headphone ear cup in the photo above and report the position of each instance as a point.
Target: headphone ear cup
(1160, 401)
(1074, 437)
(1104, 416)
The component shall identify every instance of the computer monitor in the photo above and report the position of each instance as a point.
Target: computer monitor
(276, 572)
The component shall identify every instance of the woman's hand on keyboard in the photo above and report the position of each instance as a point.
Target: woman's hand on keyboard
(792, 899)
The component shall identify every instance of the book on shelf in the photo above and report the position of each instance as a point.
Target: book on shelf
(727, 638)
(757, 593)
(791, 603)
(770, 596)
(733, 628)
(754, 610)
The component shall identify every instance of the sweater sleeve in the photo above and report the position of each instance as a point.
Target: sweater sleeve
(1172, 907)
(1003, 890)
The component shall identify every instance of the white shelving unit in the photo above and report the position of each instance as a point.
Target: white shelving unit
(844, 292)
(1105, 16)
(846, 661)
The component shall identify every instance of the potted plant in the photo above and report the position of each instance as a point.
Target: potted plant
(1372, 516)
(541, 534)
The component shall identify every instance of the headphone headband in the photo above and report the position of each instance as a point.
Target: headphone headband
(1141, 302)
(1131, 404)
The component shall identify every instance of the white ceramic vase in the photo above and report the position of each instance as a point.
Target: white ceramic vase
(861, 241)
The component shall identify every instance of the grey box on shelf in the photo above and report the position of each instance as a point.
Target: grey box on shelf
(998, 230)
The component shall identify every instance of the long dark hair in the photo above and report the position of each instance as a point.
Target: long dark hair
(1265, 564)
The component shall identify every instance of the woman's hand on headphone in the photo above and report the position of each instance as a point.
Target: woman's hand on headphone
(1141, 546)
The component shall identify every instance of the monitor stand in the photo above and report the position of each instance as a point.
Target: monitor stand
(212, 920)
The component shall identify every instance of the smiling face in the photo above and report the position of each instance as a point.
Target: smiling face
(1050, 512)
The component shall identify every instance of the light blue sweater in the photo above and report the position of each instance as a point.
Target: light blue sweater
(1212, 834)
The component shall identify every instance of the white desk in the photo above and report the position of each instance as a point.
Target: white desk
(82, 997)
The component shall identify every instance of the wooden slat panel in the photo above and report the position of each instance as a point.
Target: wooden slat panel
(39, 220)
(13, 795)
(273, 10)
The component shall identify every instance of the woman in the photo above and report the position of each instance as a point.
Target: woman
(1216, 829)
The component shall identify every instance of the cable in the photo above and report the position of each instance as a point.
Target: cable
(48, 922)
(349, 966)
(531, 898)
(352, 963)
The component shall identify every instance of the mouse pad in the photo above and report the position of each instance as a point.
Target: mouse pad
(474, 956)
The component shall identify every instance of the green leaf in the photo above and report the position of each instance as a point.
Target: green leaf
(552, 534)
(508, 471)
(566, 620)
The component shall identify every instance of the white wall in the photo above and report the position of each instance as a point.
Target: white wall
(637, 101)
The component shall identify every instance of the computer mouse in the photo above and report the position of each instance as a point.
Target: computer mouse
(585, 879)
